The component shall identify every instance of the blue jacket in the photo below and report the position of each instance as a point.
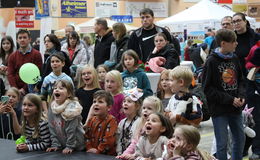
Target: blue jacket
(139, 79)
(49, 81)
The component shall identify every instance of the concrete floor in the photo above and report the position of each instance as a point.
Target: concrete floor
(207, 135)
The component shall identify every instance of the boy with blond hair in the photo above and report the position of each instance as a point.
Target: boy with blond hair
(101, 128)
(183, 107)
(224, 88)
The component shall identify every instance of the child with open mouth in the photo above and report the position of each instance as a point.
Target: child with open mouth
(131, 106)
(151, 104)
(64, 117)
(157, 131)
(101, 128)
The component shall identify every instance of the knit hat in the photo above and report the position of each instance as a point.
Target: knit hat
(156, 63)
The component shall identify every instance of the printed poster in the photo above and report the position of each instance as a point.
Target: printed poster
(106, 9)
(160, 9)
(73, 9)
(239, 8)
(24, 17)
(254, 10)
(41, 9)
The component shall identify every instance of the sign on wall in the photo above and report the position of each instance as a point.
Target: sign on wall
(160, 9)
(41, 8)
(254, 10)
(106, 9)
(122, 18)
(72, 8)
(24, 18)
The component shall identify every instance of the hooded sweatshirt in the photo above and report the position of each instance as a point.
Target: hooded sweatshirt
(138, 79)
(223, 81)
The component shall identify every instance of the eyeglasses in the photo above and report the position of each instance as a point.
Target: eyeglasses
(237, 21)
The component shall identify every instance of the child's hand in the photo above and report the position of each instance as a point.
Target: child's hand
(126, 157)
(2, 108)
(92, 150)
(67, 151)
(22, 148)
(238, 102)
(139, 90)
(155, 50)
(178, 148)
(10, 109)
(51, 149)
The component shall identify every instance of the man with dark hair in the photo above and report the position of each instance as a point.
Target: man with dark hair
(142, 39)
(103, 41)
(25, 54)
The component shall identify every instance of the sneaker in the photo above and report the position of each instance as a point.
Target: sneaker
(254, 157)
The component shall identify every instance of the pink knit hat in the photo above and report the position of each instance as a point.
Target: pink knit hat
(156, 63)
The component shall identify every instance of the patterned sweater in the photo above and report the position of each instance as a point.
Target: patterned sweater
(101, 135)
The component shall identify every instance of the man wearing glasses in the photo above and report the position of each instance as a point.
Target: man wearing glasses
(226, 23)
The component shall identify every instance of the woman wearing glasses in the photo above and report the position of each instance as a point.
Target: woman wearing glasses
(246, 38)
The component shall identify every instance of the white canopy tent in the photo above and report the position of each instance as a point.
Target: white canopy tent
(205, 14)
(88, 27)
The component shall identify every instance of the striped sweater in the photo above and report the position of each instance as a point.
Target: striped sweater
(42, 141)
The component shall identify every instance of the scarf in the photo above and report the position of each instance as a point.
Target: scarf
(68, 110)
(223, 56)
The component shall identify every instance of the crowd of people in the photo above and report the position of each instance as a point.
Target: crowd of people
(98, 99)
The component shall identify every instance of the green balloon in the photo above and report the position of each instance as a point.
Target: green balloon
(20, 140)
(29, 73)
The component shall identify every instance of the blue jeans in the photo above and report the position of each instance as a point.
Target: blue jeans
(234, 122)
(254, 101)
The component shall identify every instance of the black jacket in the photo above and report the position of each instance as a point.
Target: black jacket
(245, 43)
(121, 47)
(102, 48)
(170, 54)
(194, 53)
(223, 81)
(142, 41)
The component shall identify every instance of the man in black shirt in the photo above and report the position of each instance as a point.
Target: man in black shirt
(142, 39)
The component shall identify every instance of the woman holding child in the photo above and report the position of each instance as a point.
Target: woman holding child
(164, 49)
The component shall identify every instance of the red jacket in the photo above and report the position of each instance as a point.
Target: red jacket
(16, 60)
(251, 55)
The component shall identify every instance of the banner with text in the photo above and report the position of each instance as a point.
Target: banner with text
(106, 9)
(160, 9)
(122, 18)
(24, 17)
(75, 9)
